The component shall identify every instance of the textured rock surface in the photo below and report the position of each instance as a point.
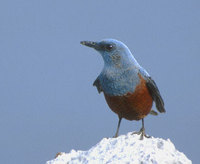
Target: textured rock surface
(126, 149)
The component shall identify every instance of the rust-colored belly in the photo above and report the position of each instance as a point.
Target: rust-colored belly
(132, 106)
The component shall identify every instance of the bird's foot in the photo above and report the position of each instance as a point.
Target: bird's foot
(115, 136)
(142, 134)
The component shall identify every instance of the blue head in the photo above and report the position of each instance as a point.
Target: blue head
(115, 53)
(120, 73)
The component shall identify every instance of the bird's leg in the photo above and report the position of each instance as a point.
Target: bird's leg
(142, 132)
(116, 134)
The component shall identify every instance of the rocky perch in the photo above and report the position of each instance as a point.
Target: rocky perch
(126, 149)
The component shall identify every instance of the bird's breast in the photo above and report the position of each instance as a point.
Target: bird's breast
(119, 83)
(133, 105)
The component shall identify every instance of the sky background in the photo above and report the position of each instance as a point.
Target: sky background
(47, 101)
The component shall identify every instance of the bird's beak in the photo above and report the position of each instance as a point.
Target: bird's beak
(90, 44)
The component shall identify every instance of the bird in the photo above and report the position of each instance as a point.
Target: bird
(128, 88)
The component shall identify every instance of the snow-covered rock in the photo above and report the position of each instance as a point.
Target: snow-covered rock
(126, 149)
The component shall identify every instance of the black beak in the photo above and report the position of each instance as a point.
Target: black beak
(90, 44)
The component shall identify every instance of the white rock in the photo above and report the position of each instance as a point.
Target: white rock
(126, 149)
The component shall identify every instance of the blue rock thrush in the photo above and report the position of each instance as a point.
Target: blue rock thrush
(128, 88)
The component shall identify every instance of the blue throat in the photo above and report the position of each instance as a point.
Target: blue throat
(118, 83)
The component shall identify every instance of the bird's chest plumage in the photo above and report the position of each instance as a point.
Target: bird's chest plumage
(127, 95)
(117, 83)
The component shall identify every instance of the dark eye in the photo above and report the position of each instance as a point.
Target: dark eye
(109, 47)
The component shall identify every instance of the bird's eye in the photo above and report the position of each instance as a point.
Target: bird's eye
(109, 47)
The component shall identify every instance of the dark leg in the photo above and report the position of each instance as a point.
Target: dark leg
(142, 132)
(116, 134)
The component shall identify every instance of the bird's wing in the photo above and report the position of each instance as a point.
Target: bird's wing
(153, 90)
(98, 85)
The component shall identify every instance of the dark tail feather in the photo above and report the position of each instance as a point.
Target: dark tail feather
(153, 112)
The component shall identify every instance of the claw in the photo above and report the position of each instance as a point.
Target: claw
(142, 134)
(115, 136)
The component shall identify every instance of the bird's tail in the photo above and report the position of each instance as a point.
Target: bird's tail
(153, 112)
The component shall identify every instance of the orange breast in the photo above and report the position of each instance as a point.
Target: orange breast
(132, 106)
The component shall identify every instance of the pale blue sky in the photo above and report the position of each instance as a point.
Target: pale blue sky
(48, 103)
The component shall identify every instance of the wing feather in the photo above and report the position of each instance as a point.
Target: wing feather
(155, 93)
(98, 85)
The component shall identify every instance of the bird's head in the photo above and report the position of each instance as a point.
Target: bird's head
(114, 52)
